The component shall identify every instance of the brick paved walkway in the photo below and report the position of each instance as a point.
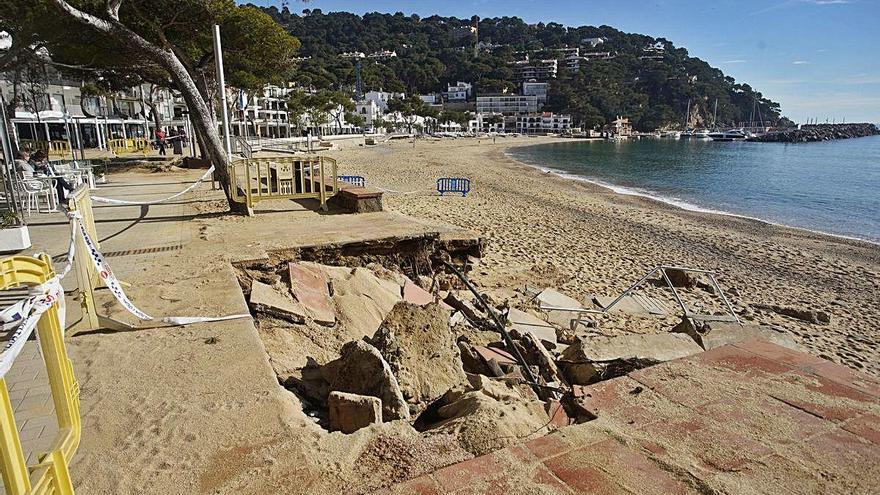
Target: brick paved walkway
(31, 402)
(747, 418)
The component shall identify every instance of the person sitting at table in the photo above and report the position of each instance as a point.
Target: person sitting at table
(41, 164)
(22, 163)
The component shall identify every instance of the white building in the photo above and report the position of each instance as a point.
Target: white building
(537, 89)
(543, 123)
(369, 110)
(57, 111)
(381, 98)
(263, 113)
(487, 122)
(539, 70)
(460, 92)
(508, 105)
(593, 42)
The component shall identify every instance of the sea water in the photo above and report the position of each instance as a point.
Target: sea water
(831, 186)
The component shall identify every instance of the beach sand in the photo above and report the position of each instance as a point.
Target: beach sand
(584, 239)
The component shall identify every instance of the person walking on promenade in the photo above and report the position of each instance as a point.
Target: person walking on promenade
(160, 141)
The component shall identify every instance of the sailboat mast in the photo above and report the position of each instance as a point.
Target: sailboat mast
(687, 115)
(715, 116)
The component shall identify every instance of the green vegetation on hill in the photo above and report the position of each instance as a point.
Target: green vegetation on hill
(434, 51)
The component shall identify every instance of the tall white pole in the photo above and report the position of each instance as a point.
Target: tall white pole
(221, 81)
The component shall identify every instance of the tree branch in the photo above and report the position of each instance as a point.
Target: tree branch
(113, 9)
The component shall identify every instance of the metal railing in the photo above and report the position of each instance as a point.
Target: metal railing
(50, 475)
(242, 147)
(259, 179)
(686, 312)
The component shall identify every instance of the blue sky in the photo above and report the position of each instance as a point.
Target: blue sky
(818, 58)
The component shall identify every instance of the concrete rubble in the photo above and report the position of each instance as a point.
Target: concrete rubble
(351, 412)
(419, 347)
(710, 335)
(597, 358)
(362, 370)
(266, 299)
(428, 353)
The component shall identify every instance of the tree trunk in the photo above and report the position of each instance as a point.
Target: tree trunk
(200, 113)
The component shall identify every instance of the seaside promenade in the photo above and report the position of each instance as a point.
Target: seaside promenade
(198, 409)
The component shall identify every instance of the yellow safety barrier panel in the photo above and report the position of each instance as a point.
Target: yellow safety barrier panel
(88, 279)
(59, 148)
(259, 179)
(34, 144)
(50, 475)
(131, 145)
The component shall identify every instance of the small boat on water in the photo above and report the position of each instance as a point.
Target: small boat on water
(728, 135)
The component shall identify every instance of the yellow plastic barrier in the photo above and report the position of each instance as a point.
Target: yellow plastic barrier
(59, 148)
(34, 145)
(130, 145)
(50, 475)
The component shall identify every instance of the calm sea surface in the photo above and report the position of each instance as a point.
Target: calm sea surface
(831, 187)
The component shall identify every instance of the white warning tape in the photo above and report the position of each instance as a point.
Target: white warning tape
(41, 297)
(100, 199)
(106, 274)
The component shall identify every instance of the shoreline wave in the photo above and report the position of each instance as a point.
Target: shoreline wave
(671, 201)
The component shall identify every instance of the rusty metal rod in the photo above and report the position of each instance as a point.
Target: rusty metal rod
(507, 339)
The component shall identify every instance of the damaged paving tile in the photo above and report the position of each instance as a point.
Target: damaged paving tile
(553, 298)
(309, 286)
(265, 298)
(414, 294)
(499, 355)
(523, 323)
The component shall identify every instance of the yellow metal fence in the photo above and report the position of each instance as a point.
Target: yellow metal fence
(50, 475)
(130, 145)
(259, 179)
(52, 148)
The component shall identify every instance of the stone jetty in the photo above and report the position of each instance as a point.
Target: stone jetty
(818, 132)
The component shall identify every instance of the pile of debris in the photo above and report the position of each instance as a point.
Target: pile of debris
(368, 345)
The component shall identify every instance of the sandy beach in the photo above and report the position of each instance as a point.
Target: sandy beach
(584, 239)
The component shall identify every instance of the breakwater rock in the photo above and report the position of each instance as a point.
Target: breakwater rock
(818, 132)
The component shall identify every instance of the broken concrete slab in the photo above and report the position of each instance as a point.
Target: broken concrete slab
(633, 304)
(351, 412)
(594, 358)
(266, 299)
(554, 298)
(361, 369)
(414, 294)
(487, 415)
(362, 299)
(538, 355)
(522, 323)
(421, 351)
(309, 286)
(461, 301)
(710, 335)
(499, 355)
(808, 315)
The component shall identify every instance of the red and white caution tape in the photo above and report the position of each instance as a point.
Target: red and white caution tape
(100, 199)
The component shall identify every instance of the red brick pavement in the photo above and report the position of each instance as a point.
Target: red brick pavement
(768, 417)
